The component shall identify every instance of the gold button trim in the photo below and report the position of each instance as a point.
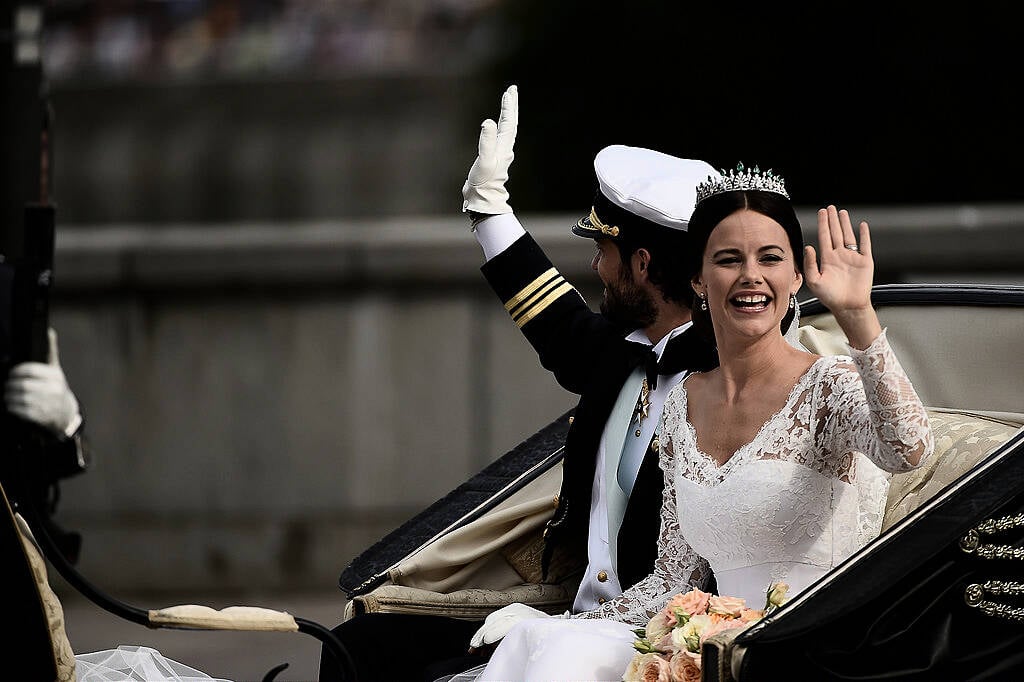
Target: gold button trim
(637, 433)
(655, 444)
(602, 576)
(555, 500)
(571, 420)
(601, 600)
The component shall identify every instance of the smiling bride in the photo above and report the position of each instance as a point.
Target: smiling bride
(776, 462)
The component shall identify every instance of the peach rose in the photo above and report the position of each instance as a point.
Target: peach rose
(750, 615)
(685, 667)
(727, 606)
(659, 626)
(666, 643)
(632, 673)
(718, 617)
(719, 625)
(693, 602)
(654, 669)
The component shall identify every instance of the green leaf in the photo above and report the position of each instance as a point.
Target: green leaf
(643, 645)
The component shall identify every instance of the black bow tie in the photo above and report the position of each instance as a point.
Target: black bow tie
(686, 351)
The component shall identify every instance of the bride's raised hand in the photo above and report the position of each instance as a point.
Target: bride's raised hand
(842, 280)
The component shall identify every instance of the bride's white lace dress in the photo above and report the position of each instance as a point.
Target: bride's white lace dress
(797, 500)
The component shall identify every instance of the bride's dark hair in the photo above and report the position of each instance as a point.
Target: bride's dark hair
(717, 208)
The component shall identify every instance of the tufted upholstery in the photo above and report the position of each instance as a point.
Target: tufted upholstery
(961, 441)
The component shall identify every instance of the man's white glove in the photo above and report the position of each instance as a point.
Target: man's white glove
(484, 191)
(38, 392)
(499, 622)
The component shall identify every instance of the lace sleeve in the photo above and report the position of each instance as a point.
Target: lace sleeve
(876, 411)
(677, 569)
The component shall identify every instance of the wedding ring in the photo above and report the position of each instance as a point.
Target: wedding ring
(852, 247)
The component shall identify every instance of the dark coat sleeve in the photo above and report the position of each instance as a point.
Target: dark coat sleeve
(568, 336)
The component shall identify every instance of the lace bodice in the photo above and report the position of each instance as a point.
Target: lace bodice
(794, 502)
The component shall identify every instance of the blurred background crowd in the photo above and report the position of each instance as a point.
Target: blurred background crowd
(124, 40)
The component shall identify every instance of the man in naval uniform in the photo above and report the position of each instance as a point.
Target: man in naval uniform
(622, 362)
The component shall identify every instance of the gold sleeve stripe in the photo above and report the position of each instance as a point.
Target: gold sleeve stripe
(539, 307)
(530, 288)
(540, 293)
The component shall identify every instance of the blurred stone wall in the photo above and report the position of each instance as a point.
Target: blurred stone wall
(266, 149)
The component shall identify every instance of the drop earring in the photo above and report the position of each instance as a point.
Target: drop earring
(792, 301)
(703, 302)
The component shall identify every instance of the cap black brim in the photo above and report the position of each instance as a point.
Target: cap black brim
(585, 228)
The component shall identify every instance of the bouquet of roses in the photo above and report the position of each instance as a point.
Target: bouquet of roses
(669, 647)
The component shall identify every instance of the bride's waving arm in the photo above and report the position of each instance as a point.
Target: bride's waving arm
(677, 569)
(892, 427)
(876, 410)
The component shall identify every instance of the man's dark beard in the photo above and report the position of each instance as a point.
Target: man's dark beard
(627, 305)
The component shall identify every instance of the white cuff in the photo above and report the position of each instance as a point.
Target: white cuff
(497, 233)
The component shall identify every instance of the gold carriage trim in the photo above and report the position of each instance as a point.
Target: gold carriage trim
(610, 230)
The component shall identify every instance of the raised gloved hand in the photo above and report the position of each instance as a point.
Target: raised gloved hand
(484, 191)
(499, 622)
(38, 392)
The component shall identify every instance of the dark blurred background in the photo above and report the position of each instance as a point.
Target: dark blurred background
(174, 111)
(895, 103)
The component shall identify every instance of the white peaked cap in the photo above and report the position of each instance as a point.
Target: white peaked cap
(634, 182)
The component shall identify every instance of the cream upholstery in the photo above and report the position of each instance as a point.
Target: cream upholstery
(64, 656)
(961, 441)
(493, 552)
(488, 563)
(470, 604)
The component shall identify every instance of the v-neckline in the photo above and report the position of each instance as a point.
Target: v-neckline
(757, 436)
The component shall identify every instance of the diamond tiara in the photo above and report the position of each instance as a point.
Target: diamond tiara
(742, 179)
